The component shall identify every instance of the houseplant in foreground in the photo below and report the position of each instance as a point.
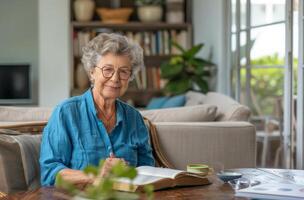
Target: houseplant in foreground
(186, 71)
(103, 190)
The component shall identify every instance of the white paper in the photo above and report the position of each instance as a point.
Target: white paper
(273, 191)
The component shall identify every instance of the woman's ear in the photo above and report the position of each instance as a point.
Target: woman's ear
(92, 77)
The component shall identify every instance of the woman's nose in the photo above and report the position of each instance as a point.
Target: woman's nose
(115, 76)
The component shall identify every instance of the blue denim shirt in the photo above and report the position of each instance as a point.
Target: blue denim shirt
(74, 138)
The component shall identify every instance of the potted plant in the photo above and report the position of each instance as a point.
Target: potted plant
(186, 71)
(102, 188)
(149, 10)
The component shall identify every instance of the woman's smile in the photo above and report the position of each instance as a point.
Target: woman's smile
(114, 87)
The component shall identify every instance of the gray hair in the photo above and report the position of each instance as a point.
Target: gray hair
(112, 43)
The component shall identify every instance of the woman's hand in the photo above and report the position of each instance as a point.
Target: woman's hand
(108, 164)
(106, 168)
(76, 177)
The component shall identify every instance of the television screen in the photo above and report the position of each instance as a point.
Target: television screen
(15, 83)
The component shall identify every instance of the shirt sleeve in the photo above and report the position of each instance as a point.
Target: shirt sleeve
(144, 153)
(55, 150)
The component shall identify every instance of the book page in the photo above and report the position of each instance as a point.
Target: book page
(158, 171)
(141, 179)
(260, 175)
(290, 175)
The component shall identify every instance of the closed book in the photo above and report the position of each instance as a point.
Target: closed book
(160, 178)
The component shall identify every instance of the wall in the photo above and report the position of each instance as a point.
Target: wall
(210, 28)
(19, 35)
(54, 51)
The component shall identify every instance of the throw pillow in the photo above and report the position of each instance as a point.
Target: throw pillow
(175, 101)
(200, 113)
(227, 108)
(194, 98)
(157, 102)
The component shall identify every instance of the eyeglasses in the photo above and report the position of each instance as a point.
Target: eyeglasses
(108, 72)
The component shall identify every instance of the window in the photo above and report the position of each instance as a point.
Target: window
(260, 39)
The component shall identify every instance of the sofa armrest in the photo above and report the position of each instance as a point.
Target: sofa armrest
(232, 144)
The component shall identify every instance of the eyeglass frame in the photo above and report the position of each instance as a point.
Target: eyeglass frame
(118, 70)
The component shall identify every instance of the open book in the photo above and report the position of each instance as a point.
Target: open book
(160, 178)
(276, 191)
(274, 184)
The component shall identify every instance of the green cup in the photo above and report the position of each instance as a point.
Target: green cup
(198, 168)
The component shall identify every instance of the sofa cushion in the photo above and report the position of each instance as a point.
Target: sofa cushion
(175, 101)
(227, 108)
(19, 161)
(194, 98)
(18, 114)
(157, 102)
(200, 113)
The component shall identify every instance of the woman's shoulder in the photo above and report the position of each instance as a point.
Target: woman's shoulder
(127, 107)
(69, 104)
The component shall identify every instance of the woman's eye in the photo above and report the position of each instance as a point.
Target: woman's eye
(108, 69)
(124, 72)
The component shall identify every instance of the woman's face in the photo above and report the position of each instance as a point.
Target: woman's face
(111, 75)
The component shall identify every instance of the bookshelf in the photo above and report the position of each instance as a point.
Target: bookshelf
(153, 37)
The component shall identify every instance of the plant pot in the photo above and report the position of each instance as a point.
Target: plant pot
(84, 10)
(151, 13)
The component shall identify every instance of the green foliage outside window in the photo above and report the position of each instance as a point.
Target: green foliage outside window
(266, 83)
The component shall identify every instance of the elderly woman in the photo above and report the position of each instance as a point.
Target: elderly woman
(97, 125)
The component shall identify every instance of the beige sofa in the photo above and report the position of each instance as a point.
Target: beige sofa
(216, 133)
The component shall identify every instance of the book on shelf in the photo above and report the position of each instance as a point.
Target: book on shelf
(152, 42)
(273, 183)
(160, 178)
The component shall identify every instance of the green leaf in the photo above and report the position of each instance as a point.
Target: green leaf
(131, 173)
(179, 47)
(204, 62)
(169, 71)
(126, 195)
(176, 60)
(193, 51)
(201, 83)
(122, 170)
(149, 191)
(90, 169)
(175, 87)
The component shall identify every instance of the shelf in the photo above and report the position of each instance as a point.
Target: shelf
(131, 26)
(156, 61)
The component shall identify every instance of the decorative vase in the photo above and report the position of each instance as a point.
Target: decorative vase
(175, 11)
(84, 10)
(150, 13)
(82, 80)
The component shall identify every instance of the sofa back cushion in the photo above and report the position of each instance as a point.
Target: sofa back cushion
(194, 98)
(200, 113)
(19, 161)
(21, 114)
(227, 108)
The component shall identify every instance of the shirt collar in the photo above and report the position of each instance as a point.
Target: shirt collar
(89, 98)
(90, 102)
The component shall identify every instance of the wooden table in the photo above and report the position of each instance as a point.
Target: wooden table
(217, 190)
